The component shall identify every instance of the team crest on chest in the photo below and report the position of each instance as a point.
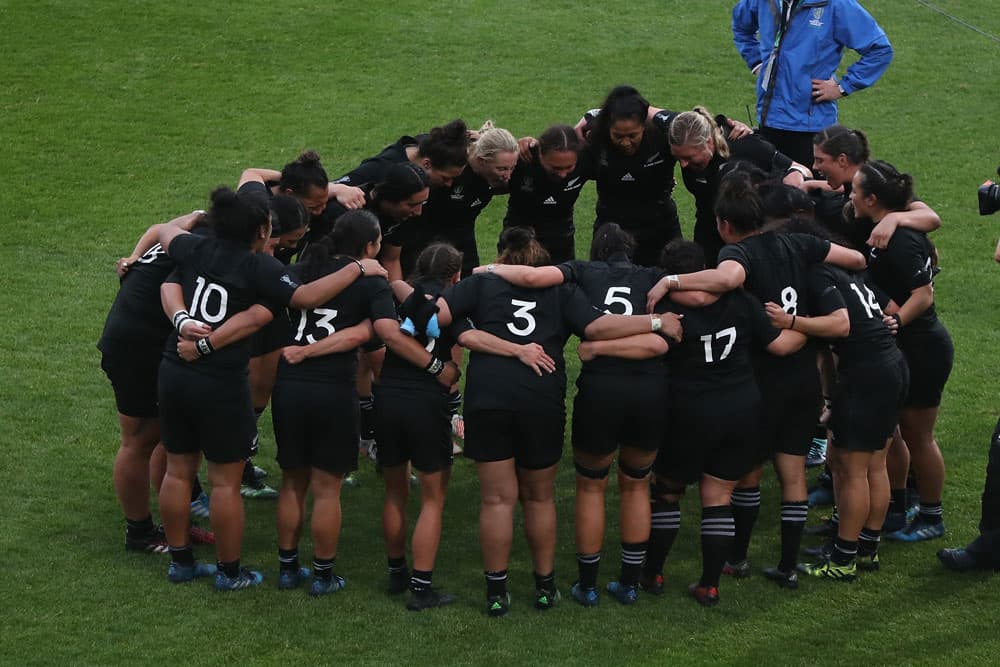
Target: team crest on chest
(528, 185)
(817, 15)
(456, 193)
(654, 160)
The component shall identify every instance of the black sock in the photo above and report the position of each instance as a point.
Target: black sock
(397, 565)
(196, 489)
(288, 560)
(793, 520)
(633, 554)
(496, 583)
(420, 580)
(931, 513)
(230, 569)
(323, 568)
(545, 582)
(140, 528)
(248, 476)
(588, 565)
(182, 555)
(844, 551)
(666, 521)
(897, 501)
(367, 405)
(868, 541)
(746, 507)
(717, 534)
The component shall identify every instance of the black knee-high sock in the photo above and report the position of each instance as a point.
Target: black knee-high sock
(632, 557)
(746, 507)
(717, 533)
(666, 521)
(793, 520)
(588, 566)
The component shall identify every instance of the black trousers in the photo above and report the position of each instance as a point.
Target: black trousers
(986, 548)
(796, 145)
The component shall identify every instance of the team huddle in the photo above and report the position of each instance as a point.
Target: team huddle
(805, 298)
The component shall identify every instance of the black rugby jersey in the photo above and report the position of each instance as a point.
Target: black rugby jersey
(543, 201)
(635, 190)
(394, 233)
(398, 372)
(220, 279)
(870, 340)
(618, 287)
(449, 215)
(704, 184)
(902, 267)
(775, 266)
(371, 170)
(136, 317)
(711, 371)
(367, 298)
(520, 315)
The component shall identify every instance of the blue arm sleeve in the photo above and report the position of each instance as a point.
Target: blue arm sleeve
(856, 29)
(745, 32)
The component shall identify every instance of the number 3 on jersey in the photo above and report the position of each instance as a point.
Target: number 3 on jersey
(523, 313)
(324, 322)
(729, 334)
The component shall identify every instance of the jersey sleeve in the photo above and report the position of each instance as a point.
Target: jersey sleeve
(174, 277)
(183, 246)
(663, 119)
(761, 153)
(254, 186)
(462, 297)
(571, 270)
(760, 325)
(738, 253)
(824, 295)
(379, 296)
(459, 327)
(577, 310)
(273, 282)
(812, 248)
(368, 173)
(905, 257)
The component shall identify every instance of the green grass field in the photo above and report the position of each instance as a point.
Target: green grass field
(118, 115)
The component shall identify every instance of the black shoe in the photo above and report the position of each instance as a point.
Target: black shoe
(399, 582)
(652, 585)
(821, 552)
(428, 599)
(825, 529)
(958, 560)
(153, 542)
(789, 580)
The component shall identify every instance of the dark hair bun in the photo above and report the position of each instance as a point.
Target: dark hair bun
(516, 238)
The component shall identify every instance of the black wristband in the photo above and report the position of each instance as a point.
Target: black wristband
(434, 366)
(899, 321)
(204, 347)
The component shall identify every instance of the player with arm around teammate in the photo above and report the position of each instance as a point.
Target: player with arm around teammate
(620, 407)
(872, 381)
(714, 418)
(903, 270)
(772, 267)
(514, 417)
(205, 405)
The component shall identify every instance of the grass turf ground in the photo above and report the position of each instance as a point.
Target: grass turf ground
(117, 115)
